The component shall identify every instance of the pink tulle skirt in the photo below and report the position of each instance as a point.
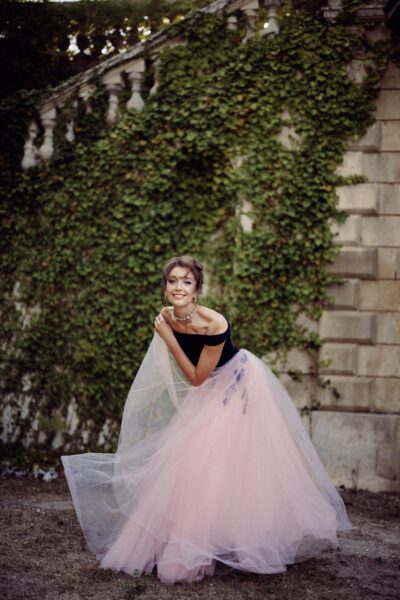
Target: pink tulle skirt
(232, 481)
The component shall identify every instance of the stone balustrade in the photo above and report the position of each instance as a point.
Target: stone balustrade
(128, 66)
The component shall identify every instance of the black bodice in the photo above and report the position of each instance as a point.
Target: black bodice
(192, 344)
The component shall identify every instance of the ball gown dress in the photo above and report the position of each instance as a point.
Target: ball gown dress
(207, 478)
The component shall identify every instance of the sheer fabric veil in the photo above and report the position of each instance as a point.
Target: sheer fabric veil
(210, 467)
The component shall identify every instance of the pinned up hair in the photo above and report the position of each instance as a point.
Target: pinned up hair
(186, 262)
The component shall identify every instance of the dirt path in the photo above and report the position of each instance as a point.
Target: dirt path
(43, 556)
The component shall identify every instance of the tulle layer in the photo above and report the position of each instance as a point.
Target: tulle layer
(232, 480)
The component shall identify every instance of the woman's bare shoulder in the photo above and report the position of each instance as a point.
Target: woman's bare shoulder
(217, 322)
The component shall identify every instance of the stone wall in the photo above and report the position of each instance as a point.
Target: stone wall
(355, 420)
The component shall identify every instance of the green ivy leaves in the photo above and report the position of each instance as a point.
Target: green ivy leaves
(256, 129)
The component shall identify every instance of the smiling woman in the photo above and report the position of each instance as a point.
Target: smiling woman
(214, 469)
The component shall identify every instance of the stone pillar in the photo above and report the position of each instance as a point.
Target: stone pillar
(250, 9)
(30, 152)
(156, 63)
(113, 84)
(70, 135)
(271, 26)
(48, 119)
(135, 72)
(232, 23)
(86, 90)
(357, 427)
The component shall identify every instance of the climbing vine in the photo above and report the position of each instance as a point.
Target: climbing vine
(234, 161)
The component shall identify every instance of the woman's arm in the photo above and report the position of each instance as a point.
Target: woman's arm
(208, 360)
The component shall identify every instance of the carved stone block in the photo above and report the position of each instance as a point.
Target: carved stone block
(342, 326)
(356, 262)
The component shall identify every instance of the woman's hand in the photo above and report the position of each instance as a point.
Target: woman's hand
(163, 329)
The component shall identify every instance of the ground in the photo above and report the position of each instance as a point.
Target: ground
(44, 556)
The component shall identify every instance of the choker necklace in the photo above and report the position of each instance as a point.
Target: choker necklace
(187, 316)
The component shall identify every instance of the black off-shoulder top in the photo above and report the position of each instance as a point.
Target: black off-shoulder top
(192, 344)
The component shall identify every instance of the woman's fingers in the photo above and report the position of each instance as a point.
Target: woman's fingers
(159, 319)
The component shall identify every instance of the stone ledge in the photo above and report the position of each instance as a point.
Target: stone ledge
(389, 199)
(345, 296)
(347, 393)
(371, 141)
(383, 167)
(390, 136)
(388, 263)
(379, 361)
(380, 231)
(356, 262)
(362, 198)
(388, 328)
(379, 295)
(296, 359)
(343, 359)
(352, 164)
(365, 394)
(354, 448)
(341, 326)
(349, 232)
(377, 167)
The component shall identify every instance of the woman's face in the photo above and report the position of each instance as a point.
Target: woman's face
(181, 287)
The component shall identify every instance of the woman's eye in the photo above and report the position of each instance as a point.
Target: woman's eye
(188, 282)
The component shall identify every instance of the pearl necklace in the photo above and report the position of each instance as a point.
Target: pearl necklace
(187, 316)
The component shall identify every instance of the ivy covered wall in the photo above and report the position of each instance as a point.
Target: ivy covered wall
(256, 128)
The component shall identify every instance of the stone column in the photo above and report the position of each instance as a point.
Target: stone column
(156, 63)
(30, 151)
(85, 92)
(113, 84)
(70, 135)
(357, 429)
(232, 23)
(271, 26)
(135, 74)
(250, 9)
(49, 121)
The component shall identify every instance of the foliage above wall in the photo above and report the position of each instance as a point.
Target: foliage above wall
(36, 41)
(257, 127)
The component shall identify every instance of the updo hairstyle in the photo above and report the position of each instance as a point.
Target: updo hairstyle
(186, 262)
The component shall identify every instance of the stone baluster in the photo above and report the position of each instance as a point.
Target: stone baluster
(70, 135)
(250, 9)
(48, 119)
(135, 74)
(30, 151)
(113, 84)
(232, 23)
(85, 92)
(156, 64)
(271, 26)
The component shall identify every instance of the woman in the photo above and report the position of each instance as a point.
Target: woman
(213, 468)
